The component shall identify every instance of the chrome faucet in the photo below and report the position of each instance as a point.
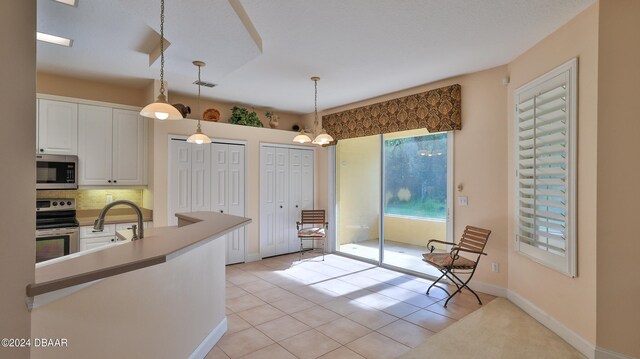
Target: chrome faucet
(99, 223)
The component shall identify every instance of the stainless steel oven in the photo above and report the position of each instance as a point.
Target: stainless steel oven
(57, 229)
(56, 172)
(57, 242)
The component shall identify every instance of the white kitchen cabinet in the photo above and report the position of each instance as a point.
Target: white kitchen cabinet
(129, 148)
(57, 127)
(95, 145)
(112, 145)
(90, 239)
(286, 187)
(209, 178)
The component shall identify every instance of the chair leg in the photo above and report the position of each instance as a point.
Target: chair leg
(300, 251)
(463, 285)
(437, 280)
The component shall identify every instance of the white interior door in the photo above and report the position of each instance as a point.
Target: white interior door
(267, 201)
(179, 179)
(282, 201)
(235, 200)
(295, 181)
(200, 178)
(219, 177)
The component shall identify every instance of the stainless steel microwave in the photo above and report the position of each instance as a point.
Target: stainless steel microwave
(56, 172)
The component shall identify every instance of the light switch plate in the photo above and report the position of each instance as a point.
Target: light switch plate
(463, 200)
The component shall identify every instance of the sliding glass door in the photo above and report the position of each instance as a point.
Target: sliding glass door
(358, 181)
(393, 194)
(415, 196)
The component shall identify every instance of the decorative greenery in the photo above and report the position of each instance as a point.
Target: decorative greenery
(269, 114)
(242, 116)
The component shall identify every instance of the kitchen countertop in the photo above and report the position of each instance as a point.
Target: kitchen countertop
(86, 217)
(159, 245)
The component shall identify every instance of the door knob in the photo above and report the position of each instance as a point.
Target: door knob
(109, 181)
(41, 150)
(221, 211)
(280, 206)
(296, 206)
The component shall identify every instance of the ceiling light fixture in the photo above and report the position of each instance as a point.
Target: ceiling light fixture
(52, 39)
(161, 109)
(199, 138)
(322, 137)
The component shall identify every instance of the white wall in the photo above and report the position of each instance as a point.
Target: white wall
(17, 155)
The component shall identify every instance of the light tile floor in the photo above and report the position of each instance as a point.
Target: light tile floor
(398, 254)
(281, 307)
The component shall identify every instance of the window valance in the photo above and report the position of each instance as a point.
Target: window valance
(436, 110)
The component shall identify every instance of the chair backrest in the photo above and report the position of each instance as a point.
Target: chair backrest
(474, 238)
(312, 216)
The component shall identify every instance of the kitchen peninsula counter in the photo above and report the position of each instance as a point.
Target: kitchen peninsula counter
(158, 246)
(159, 297)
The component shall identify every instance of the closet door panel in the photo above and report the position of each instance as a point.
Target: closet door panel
(219, 177)
(200, 178)
(179, 200)
(295, 178)
(282, 201)
(267, 201)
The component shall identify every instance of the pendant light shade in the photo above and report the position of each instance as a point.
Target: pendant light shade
(161, 109)
(199, 138)
(322, 138)
(302, 137)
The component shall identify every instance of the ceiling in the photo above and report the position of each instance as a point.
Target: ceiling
(359, 48)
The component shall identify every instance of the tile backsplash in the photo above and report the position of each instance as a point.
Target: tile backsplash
(93, 198)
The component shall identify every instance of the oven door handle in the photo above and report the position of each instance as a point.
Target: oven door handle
(53, 232)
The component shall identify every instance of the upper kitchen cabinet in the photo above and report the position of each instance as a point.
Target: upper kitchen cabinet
(111, 146)
(57, 127)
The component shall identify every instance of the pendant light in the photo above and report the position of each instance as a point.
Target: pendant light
(199, 138)
(322, 137)
(161, 109)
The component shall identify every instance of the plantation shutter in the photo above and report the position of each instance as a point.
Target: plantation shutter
(545, 127)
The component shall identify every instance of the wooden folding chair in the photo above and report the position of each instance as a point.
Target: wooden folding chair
(312, 226)
(473, 241)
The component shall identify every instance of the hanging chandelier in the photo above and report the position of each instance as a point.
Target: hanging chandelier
(161, 109)
(198, 137)
(320, 137)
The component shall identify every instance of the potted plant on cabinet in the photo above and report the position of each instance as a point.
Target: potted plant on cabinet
(242, 116)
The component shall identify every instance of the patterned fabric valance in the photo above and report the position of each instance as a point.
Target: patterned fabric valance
(436, 110)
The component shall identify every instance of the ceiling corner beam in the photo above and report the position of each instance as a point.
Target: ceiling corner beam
(155, 53)
(246, 21)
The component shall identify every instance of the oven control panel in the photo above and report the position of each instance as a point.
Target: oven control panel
(55, 204)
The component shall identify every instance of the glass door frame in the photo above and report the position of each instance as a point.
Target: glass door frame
(333, 206)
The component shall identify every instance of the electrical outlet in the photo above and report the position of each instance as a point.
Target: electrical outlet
(463, 200)
(109, 198)
(495, 267)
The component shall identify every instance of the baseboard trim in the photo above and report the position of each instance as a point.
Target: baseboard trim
(585, 347)
(253, 257)
(488, 288)
(602, 353)
(210, 341)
